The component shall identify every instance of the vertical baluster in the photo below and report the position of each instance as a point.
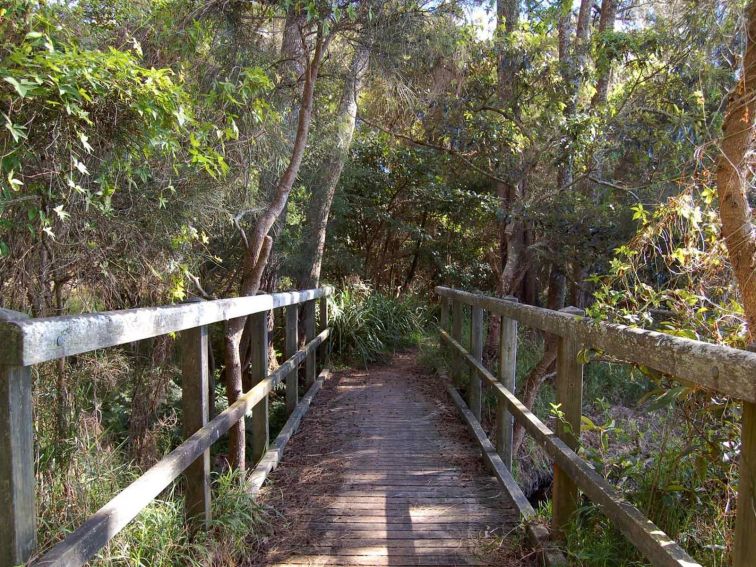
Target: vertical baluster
(569, 396)
(292, 344)
(323, 350)
(444, 320)
(745, 522)
(17, 483)
(457, 315)
(476, 349)
(259, 371)
(309, 326)
(507, 376)
(193, 348)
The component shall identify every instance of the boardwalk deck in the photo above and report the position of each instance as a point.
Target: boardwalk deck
(384, 473)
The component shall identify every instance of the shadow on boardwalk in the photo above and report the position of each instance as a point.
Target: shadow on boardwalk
(383, 473)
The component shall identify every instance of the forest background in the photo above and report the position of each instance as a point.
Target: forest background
(565, 153)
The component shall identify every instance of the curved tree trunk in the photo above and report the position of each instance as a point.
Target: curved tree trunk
(734, 178)
(327, 178)
(259, 245)
(537, 375)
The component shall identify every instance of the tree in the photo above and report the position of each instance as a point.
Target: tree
(258, 243)
(328, 174)
(735, 176)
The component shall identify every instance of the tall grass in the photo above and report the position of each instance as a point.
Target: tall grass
(82, 465)
(369, 325)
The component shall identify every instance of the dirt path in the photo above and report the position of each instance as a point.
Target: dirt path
(384, 473)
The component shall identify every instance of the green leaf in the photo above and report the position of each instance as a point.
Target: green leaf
(17, 131)
(22, 87)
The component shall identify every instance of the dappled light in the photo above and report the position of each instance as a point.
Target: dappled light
(379, 283)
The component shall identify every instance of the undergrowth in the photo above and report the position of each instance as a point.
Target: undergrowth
(369, 325)
(86, 454)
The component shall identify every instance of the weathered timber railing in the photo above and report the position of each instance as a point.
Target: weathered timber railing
(25, 342)
(727, 371)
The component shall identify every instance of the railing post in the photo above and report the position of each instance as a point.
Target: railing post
(193, 348)
(290, 349)
(476, 349)
(323, 326)
(569, 396)
(259, 371)
(457, 316)
(745, 521)
(309, 327)
(444, 320)
(18, 530)
(507, 376)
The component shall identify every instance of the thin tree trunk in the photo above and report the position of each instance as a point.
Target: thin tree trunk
(535, 378)
(509, 192)
(734, 177)
(330, 172)
(259, 245)
(606, 24)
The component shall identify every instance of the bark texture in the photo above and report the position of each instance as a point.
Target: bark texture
(327, 178)
(259, 245)
(735, 177)
(606, 24)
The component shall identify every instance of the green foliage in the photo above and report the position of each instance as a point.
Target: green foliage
(368, 325)
(674, 275)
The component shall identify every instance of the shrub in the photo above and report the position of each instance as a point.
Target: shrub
(367, 325)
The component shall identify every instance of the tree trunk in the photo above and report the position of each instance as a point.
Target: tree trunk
(606, 24)
(286, 102)
(535, 378)
(328, 176)
(734, 176)
(259, 245)
(509, 192)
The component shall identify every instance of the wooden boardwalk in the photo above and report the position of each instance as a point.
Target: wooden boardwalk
(384, 473)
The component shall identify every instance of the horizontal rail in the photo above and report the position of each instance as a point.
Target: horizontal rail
(537, 533)
(273, 456)
(726, 370)
(655, 545)
(79, 546)
(31, 341)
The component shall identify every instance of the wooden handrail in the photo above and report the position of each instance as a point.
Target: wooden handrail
(728, 371)
(32, 341)
(79, 546)
(24, 342)
(642, 532)
(723, 369)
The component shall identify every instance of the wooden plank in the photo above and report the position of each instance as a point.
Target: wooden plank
(39, 340)
(291, 346)
(309, 328)
(18, 533)
(745, 522)
(193, 345)
(79, 546)
(476, 348)
(650, 540)
(271, 459)
(507, 373)
(258, 370)
(722, 369)
(569, 396)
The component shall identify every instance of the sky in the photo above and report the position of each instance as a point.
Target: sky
(483, 18)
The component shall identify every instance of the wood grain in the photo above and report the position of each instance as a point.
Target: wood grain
(386, 474)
